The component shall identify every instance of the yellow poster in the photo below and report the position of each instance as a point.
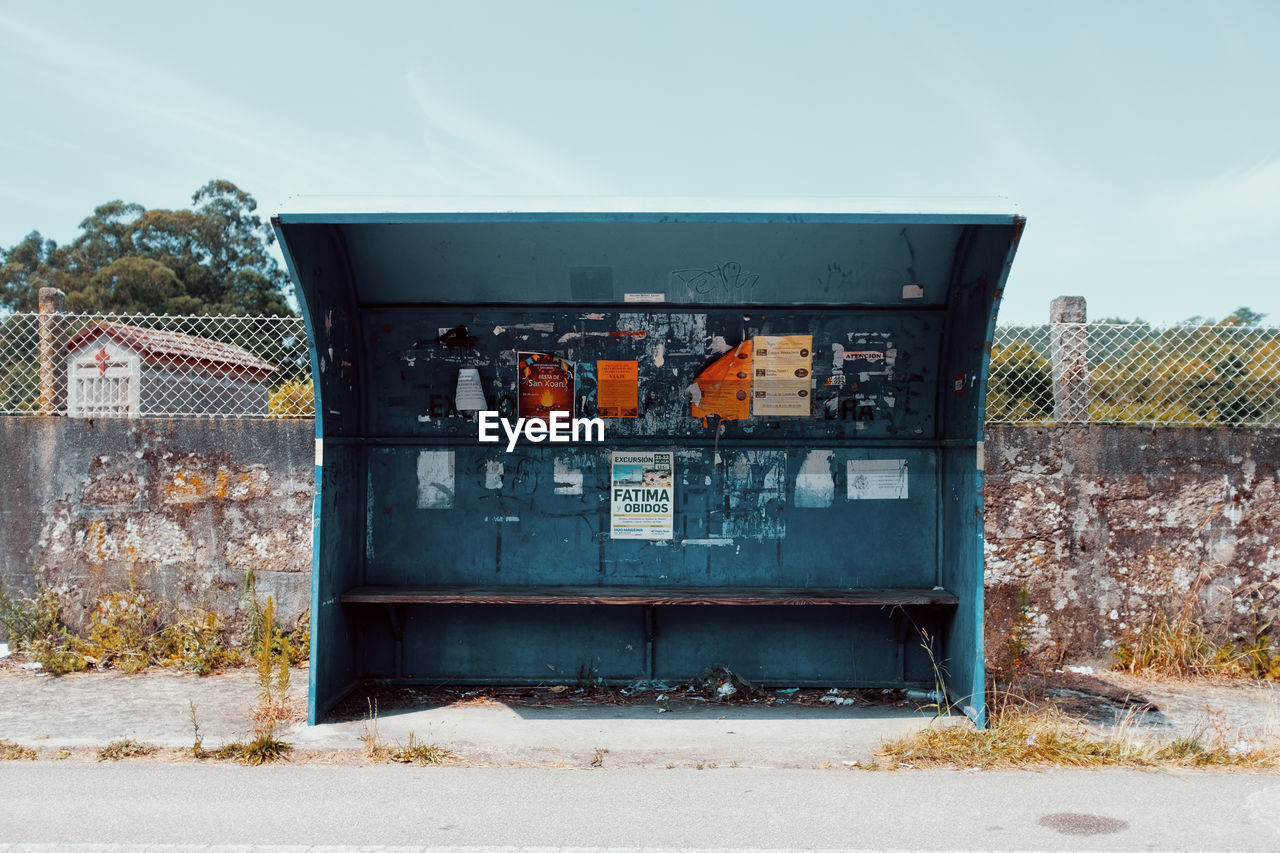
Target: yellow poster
(724, 388)
(617, 389)
(783, 366)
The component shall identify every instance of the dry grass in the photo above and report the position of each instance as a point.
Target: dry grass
(10, 751)
(422, 754)
(279, 710)
(414, 752)
(1180, 648)
(124, 748)
(1018, 735)
(263, 749)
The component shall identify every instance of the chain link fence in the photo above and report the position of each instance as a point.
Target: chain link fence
(1135, 373)
(193, 366)
(140, 365)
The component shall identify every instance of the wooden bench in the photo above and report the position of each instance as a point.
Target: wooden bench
(645, 595)
(395, 598)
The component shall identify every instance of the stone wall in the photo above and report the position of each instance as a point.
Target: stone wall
(1090, 530)
(180, 508)
(1094, 530)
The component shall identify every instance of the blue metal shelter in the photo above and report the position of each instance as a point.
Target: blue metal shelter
(834, 544)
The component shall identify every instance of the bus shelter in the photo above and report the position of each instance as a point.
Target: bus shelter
(561, 441)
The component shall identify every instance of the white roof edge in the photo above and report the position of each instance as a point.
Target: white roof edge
(373, 205)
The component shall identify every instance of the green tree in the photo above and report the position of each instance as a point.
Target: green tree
(30, 265)
(145, 285)
(213, 258)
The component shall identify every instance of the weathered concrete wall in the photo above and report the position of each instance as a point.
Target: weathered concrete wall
(1093, 530)
(1090, 530)
(181, 508)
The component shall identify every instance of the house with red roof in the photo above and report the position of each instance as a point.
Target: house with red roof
(115, 370)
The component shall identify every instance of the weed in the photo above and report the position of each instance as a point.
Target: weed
(253, 633)
(940, 704)
(1179, 646)
(414, 752)
(1188, 746)
(373, 749)
(260, 633)
(10, 751)
(35, 626)
(197, 742)
(598, 760)
(1017, 643)
(62, 755)
(300, 638)
(265, 748)
(194, 642)
(272, 659)
(124, 748)
(1255, 649)
(121, 629)
(422, 754)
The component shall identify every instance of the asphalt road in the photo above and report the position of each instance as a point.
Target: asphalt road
(137, 804)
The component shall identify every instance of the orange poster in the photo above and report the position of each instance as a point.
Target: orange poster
(724, 388)
(545, 385)
(618, 389)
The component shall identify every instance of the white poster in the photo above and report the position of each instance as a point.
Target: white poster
(642, 495)
(782, 367)
(469, 394)
(877, 479)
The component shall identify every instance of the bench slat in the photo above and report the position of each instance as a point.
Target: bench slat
(641, 595)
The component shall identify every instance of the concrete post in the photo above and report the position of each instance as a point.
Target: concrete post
(51, 329)
(1069, 347)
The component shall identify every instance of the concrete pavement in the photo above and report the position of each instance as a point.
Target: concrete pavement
(63, 803)
(89, 710)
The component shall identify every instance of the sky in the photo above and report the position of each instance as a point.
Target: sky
(1140, 139)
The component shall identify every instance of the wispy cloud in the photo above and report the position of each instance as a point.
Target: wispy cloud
(479, 155)
(1234, 207)
(147, 106)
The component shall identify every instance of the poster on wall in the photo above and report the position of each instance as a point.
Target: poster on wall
(545, 385)
(469, 393)
(618, 389)
(642, 495)
(724, 388)
(783, 365)
(877, 479)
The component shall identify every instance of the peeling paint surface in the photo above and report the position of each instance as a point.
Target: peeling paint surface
(755, 492)
(180, 509)
(815, 484)
(435, 479)
(568, 479)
